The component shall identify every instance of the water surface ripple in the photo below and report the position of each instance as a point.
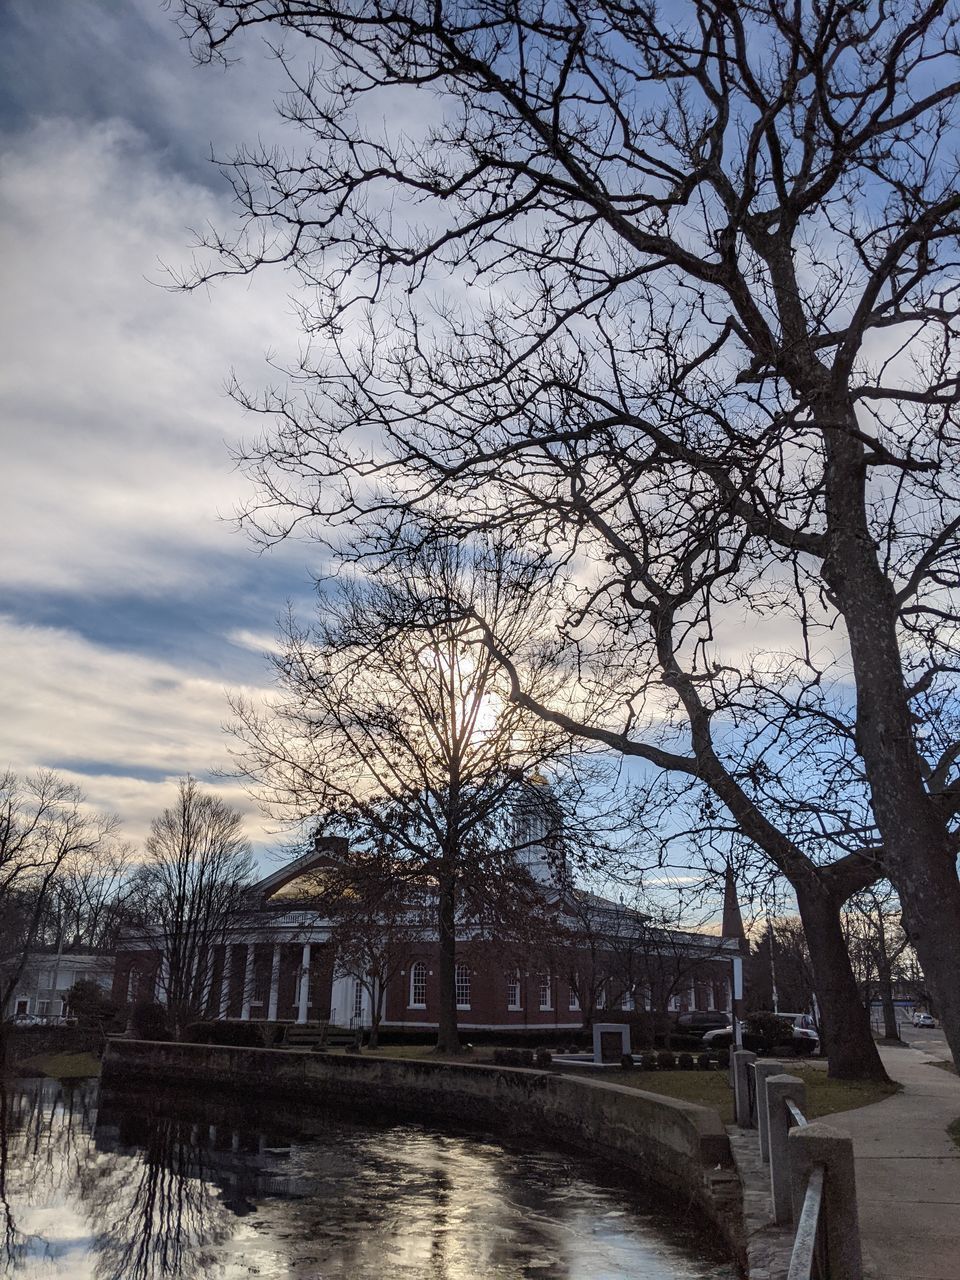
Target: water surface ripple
(110, 1189)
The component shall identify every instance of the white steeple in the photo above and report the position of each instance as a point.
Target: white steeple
(537, 831)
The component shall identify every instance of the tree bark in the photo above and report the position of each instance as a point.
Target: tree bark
(448, 1037)
(918, 853)
(844, 1022)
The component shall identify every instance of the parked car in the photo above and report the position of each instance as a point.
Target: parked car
(799, 1032)
(923, 1019)
(712, 1020)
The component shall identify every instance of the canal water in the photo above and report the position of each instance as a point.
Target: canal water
(101, 1188)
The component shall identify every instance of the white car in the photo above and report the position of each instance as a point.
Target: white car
(922, 1019)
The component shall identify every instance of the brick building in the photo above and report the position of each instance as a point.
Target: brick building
(277, 963)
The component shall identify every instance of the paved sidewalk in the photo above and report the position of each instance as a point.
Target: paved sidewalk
(908, 1172)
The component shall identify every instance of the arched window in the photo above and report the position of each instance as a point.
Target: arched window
(546, 991)
(513, 990)
(463, 986)
(418, 985)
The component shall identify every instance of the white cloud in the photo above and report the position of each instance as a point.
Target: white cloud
(68, 701)
(115, 420)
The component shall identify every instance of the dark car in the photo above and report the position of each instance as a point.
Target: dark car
(704, 1021)
(797, 1031)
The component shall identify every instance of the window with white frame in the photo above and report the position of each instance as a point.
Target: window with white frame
(43, 1008)
(462, 983)
(573, 1003)
(601, 1000)
(626, 1002)
(23, 1008)
(418, 985)
(546, 991)
(358, 999)
(513, 990)
(674, 1003)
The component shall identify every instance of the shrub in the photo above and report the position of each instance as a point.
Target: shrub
(90, 1006)
(149, 1021)
(704, 1061)
(685, 1061)
(543, 1058)
(648, 1061)
(763, 1032)
(666, 1061)
(723, 1059)
(526, 1057)
(238, 1034)
(626, 1061)
(506, 1057)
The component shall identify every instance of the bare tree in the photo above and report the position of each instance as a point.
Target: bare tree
(392, 727)
(781, 969)
(704, 339)
(879, 948)
(44, 826)
(87, 904)
(375, 916)
(189, 893)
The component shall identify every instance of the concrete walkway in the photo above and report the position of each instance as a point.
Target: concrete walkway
(908, 1172)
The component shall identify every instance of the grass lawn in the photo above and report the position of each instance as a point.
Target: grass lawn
(61, 1066)
(708, 1088)
(712, 1089)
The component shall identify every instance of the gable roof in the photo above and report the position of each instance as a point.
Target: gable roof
(323, 848)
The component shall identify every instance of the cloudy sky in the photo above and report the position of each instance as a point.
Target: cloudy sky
(129, 604)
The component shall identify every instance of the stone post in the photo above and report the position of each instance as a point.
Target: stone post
(248, 983)
(779, 1089)
(740, 1060)
(821, 1144)
(274, 984)
(303, 997)
(225, 980)
(762, 1071)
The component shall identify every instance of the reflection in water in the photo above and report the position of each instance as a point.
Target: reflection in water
(155, 1188)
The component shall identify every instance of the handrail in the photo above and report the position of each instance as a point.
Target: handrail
(812, 1158)
(799, 1119)
(806, 1260)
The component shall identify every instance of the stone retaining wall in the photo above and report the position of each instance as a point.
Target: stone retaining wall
(676, 1145)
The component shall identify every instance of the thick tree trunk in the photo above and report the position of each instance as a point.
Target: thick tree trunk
(448, 1037)
(844, 1022)
(918, 853)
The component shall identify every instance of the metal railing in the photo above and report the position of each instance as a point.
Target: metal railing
(811, 1171)
(809, 1259)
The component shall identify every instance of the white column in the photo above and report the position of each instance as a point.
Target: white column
(163, 981)
(247, 983)
(304, 995)
(206, 983)
(274, 984)
(225, 980)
